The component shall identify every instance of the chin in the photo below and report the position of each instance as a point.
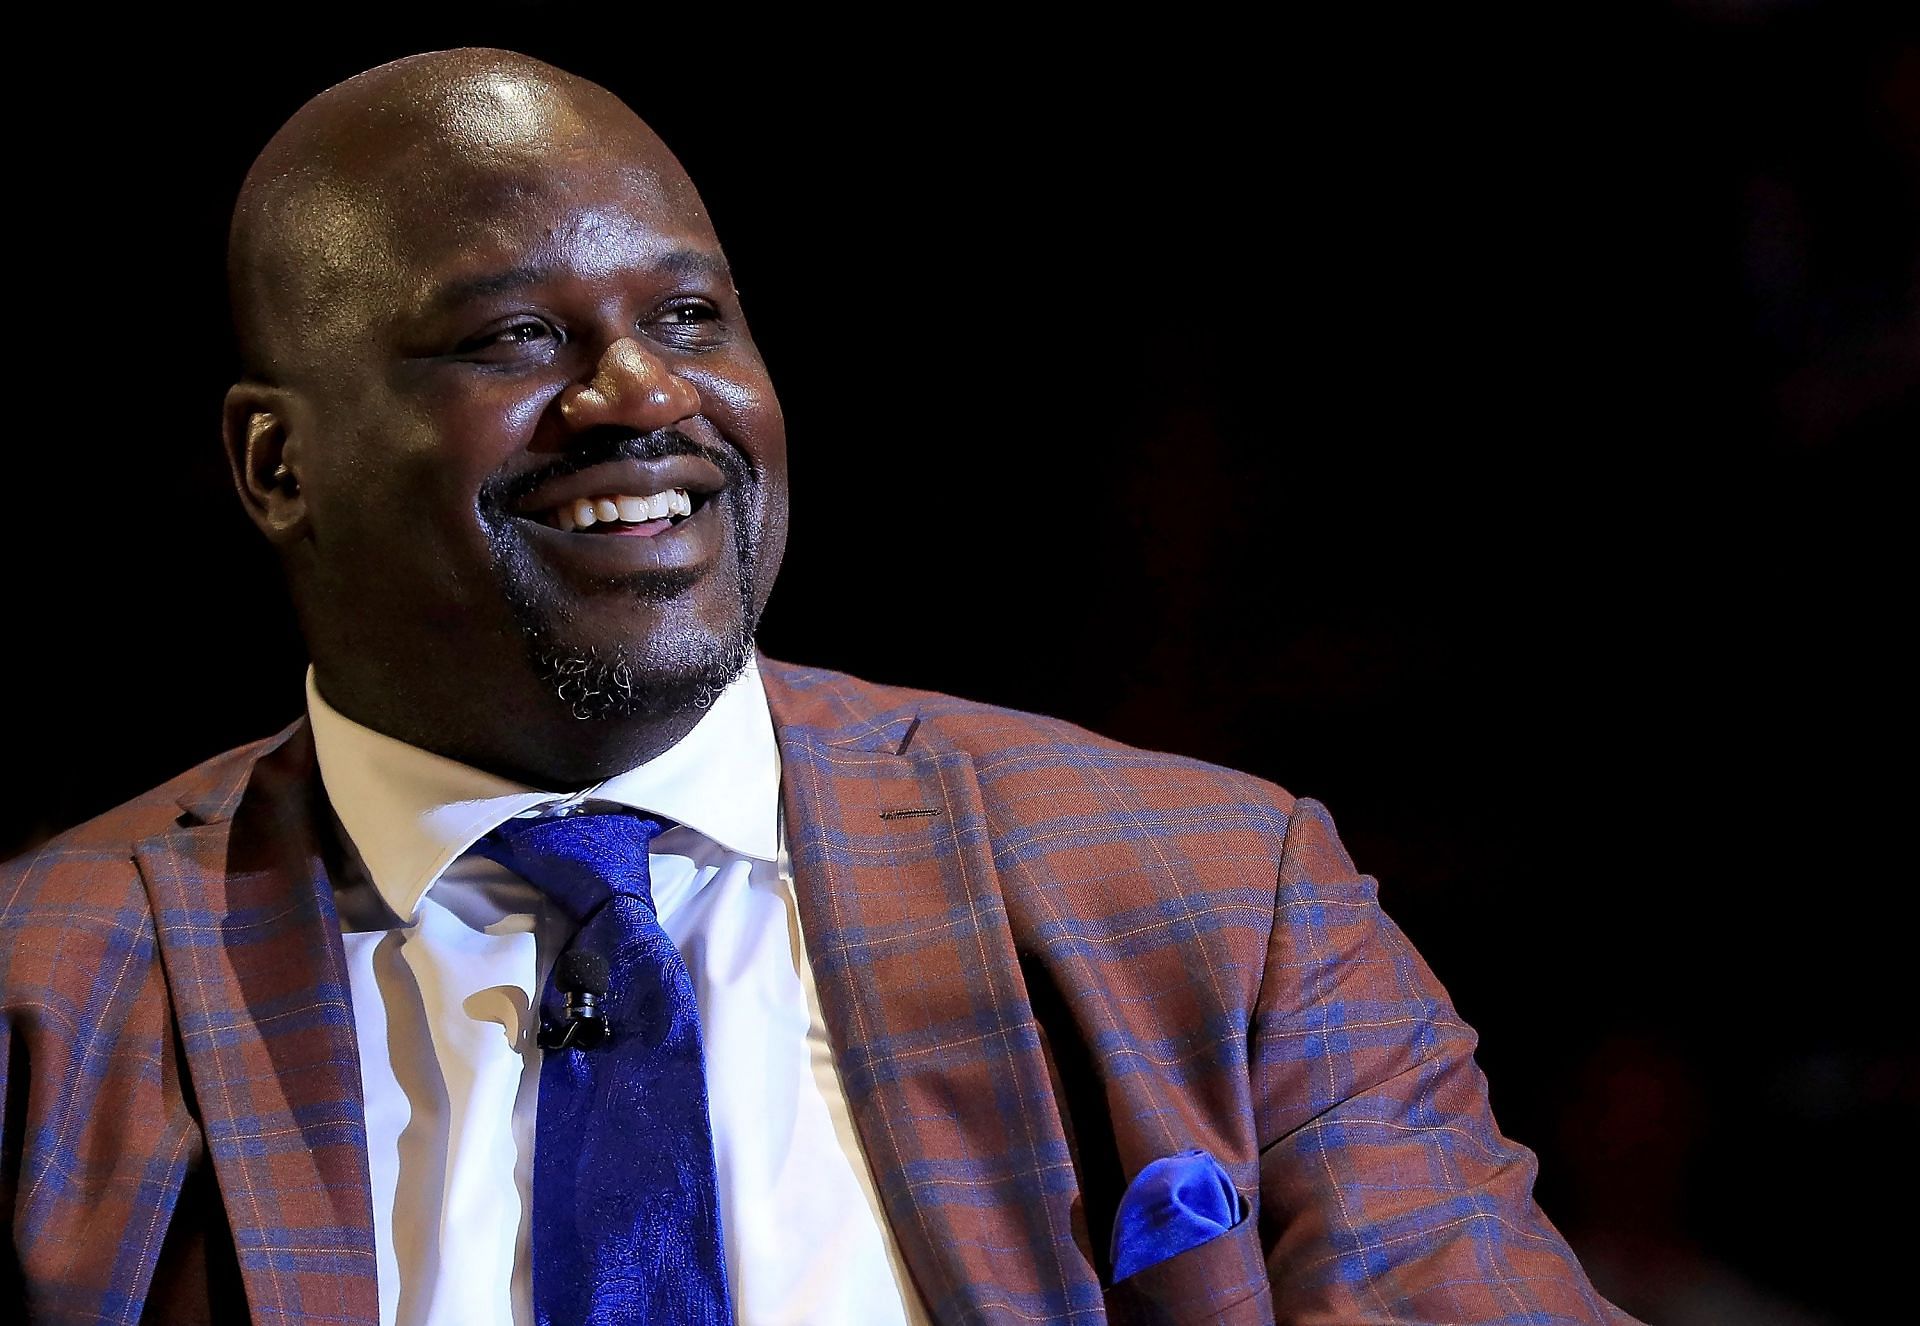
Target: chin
(643, 647)
(653, 677)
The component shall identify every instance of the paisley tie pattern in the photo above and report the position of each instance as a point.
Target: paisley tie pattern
(626, 1209)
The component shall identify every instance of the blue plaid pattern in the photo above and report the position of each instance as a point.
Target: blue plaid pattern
(1046, 960)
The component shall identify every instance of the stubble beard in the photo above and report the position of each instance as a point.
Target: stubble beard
(599, 685)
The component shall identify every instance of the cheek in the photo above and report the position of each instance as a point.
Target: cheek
(400, 500)
(748, 414)
(485, 417)
(742, 403)
(446, 438)
(518, 415)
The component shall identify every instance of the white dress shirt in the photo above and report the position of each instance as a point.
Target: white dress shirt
(446, 953)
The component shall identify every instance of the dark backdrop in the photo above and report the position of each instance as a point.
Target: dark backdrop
(1482, 425)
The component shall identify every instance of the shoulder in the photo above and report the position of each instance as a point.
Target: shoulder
(90, 870)
(1154, 871)
(1019, 757)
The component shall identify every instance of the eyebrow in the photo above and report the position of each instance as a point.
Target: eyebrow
(674, 262)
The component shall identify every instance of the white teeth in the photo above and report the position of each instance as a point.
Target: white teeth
(591, 511)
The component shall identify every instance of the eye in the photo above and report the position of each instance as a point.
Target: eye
(697, 311)
(688, 322)
(521, 332)
(508, 339)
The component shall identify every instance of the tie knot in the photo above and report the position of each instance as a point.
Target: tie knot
(578, 860)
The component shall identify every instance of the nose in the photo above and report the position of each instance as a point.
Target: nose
(630, 388)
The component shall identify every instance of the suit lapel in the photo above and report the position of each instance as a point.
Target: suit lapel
(928, 1012)
(908, 938)
(251, 945)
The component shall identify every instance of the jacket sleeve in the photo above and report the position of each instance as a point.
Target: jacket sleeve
(1387, 1193)
(97, 1133)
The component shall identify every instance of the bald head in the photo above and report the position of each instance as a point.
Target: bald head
(477, 297)
(325, 215)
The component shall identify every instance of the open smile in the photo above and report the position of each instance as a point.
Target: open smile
(636, 516)
(629, 516)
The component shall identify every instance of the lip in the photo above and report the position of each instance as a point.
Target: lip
(637, 478)
(689, 548)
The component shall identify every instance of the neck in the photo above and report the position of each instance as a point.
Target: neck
(524, 733)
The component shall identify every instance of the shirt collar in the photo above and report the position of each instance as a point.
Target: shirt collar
(410, 813)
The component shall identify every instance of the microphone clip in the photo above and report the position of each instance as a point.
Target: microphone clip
(581, 1025)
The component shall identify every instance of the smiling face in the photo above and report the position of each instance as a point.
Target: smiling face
(535, 488)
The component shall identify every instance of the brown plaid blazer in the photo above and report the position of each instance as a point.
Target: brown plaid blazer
(1045, 960)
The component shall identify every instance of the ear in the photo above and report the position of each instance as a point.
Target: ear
(256, 425)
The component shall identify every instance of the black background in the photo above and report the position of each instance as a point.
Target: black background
(1484, 425)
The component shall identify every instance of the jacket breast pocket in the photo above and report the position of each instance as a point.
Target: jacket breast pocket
(1221, 1280)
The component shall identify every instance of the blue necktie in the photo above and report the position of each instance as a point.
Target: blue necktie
(626, 1208)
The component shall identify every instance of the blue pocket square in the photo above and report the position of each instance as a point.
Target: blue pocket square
(1175, 1203)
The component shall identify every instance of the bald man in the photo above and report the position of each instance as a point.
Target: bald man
(971, 1016)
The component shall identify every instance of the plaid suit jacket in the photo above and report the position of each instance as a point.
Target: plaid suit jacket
(1044, 959)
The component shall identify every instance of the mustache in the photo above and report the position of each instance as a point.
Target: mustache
(598, 446)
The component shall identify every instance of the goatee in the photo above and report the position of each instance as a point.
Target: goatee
(674, 672)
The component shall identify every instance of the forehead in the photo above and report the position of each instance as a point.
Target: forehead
(388, 190)
(591, 212)
(508, 170)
